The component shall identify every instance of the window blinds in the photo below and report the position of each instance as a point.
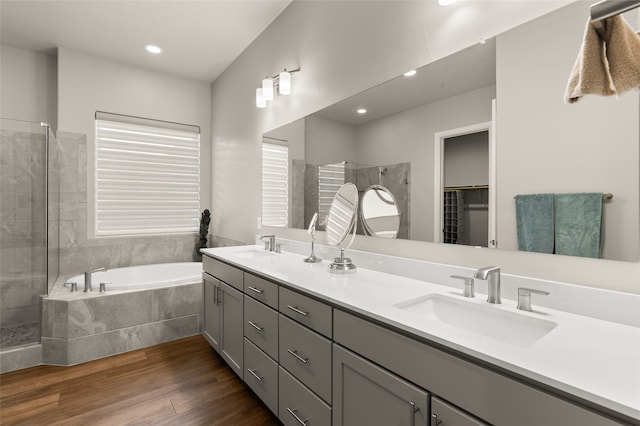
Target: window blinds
(330, 179)
(275, 187)
(147, 177)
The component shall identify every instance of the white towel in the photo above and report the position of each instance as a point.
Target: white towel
(609, 61)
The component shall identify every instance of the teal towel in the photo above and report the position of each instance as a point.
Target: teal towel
(578, 224)
(534, 217)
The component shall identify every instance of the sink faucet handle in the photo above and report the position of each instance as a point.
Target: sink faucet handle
(468, 285)
(524, 297)
(279, 247)
(270, 243)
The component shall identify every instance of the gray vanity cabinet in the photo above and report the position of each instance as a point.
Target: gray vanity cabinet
(445, 414)
(211, 311)
(365, 394)
(223, 311)
(231, 327)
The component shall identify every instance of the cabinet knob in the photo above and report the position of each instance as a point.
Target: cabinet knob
(435, 421)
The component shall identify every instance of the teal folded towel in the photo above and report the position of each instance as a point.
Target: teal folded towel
(535, 220)
(578, 224)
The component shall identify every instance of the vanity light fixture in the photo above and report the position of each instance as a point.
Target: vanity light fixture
(410, 73)
(281, 81)
(152, 48)
(361, 111)
(446, 2)
(261, 102)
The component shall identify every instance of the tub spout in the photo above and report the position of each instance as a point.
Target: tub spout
(87, 279)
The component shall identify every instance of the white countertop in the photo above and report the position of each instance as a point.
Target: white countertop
(593, 359)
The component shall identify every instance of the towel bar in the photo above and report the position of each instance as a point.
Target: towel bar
(608, 8)
(605, 196)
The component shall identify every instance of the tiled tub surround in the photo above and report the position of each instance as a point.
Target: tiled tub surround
(589, 360)
(79, 327)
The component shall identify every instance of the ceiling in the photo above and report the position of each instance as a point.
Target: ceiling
(200, 39)
(441, 79)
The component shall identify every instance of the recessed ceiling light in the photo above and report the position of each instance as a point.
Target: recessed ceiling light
(410, 73)
(152, 48)
(446, 2)
(361, 111)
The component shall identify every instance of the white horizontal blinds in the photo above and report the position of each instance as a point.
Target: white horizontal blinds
(330, 179)
(275, 186)
(147, 177)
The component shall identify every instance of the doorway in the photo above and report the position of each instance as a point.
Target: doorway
(464, 189)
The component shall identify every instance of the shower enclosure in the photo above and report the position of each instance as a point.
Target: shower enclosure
(29, 249)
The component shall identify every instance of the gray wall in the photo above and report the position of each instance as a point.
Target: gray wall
(28, 82)
(342, 54)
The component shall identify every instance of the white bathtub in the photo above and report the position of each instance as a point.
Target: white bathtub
(143, 276)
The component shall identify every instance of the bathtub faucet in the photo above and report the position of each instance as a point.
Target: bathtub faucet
(87, 278)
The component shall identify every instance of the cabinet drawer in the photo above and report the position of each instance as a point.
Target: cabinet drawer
(261, 289)
(261, 326)
(447, 414)
(261, 375)
(311, 313)
(307, 356)
(298, 405)
(223, 272)
(459, 381)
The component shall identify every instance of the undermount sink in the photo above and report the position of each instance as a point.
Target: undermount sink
(484, 319)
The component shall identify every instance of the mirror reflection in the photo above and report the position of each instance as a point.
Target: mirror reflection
(536, 143)
(380, 213)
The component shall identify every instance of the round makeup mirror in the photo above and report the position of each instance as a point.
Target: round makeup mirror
(341, 221)
(380, 212)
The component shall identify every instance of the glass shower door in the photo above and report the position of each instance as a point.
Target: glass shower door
(24, 227)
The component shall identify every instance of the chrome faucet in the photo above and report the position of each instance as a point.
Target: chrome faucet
(271, 243)
(492, 275)
(87, 279)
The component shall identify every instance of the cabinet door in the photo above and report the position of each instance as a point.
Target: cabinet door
(445, 414)
(365, 394)
(211, 311)
(232, 330)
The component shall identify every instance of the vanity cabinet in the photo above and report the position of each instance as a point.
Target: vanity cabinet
(315, 364)
(223, 315)
(365, 394)
(482, 392)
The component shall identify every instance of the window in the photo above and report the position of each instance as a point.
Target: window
(330, 179)
(275, 186)
(147, 176)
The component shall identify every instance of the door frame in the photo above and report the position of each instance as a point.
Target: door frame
(438, 169)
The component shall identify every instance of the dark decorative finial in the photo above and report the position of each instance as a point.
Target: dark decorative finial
(205, 219)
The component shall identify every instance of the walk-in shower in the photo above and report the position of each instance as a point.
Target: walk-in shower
(29, 227)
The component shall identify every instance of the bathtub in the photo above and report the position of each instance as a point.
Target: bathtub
(142, 306)
(143, 276)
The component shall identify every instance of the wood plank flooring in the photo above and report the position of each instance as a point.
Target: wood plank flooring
(183, 382)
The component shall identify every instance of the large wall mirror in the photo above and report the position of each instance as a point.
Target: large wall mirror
(532, 142)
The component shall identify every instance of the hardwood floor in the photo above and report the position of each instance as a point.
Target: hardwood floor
(183, 382)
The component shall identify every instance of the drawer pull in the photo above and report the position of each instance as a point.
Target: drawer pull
(254, 374)
(298, 357)
(256, 326)
(293, 413)
(256, 290)
(414, 410)
(297, 311)
(435, 421)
